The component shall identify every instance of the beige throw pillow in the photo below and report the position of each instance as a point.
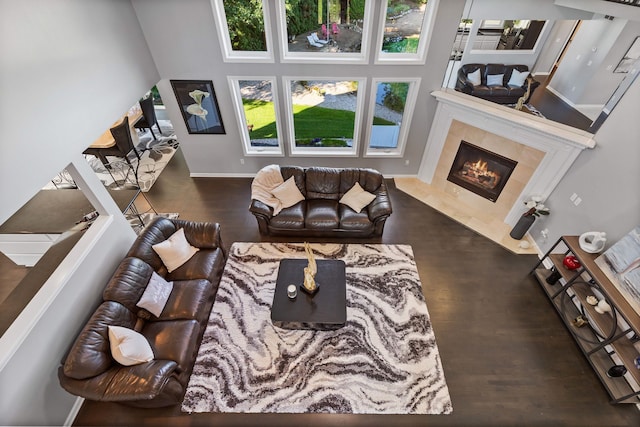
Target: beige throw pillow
(129, 347)
(518, 77)
(474, 78)
(156, 294)
(495, 79)
(288, 193)
(175, 251)
(357, 198)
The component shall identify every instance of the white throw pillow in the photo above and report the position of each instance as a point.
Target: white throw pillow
(156, 294)
(357, 198)
(474, 78)
(495, 79)
(518, 78)
(129, 347)
(288, 193)
(175, 251)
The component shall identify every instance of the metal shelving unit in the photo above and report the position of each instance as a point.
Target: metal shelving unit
(606, 339)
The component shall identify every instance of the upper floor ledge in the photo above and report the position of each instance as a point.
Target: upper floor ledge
(527, 122)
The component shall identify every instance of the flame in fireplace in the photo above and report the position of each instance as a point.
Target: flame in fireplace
(479, 174)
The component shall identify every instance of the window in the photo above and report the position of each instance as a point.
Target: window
(407, 28)
(323, 116)
(317, 31)
(390, 113)
(242, 29)
(255, 102)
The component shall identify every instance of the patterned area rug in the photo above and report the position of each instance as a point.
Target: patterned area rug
(154, 156)
(383, 361)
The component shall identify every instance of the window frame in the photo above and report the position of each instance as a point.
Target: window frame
(425, 37)
(407, 116)
(241, 119)
(320, 151)
(245, 56)
(322, 57)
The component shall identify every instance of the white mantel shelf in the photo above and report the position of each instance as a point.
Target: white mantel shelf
(517, 119)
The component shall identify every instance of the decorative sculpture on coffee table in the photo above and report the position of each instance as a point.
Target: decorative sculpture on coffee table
(309, 285)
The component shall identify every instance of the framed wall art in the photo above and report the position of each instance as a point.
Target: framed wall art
(633, 53)
(199, 106)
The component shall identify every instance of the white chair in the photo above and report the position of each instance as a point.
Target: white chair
(313, 42)
(317, 39)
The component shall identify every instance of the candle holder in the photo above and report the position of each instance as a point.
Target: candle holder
(292, 292)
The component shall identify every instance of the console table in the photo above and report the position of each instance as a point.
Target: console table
(606, 339)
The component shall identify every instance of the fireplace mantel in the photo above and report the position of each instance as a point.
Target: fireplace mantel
(560, 144)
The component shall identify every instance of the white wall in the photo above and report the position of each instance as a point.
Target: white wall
(68, 70)
(553, 46)
(582, 77)
(606, 178)
(191, 51)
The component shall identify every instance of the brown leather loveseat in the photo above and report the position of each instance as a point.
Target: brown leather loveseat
(90, 371)
(502, 90)
(321, 213)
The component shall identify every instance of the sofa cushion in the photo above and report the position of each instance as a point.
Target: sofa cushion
(175, 340)
(323, 183)
(499, 91)
(290, 218)
(128, 347)
(175, 251)
(288, 193)
(475, 78)
(205, 264)
(156, 295)
(90, 354)
(188, 300)
(322, 214)
(353, 221)
(357, 198)
(128, 283)
(495, 79)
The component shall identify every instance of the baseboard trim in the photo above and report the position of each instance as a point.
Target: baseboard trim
(73, 413)
(561, 96)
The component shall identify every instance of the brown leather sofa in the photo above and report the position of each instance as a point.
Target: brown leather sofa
(89, 369)
(320, 214)
(501, 93)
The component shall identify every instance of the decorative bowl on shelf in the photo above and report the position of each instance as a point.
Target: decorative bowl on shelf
(571, 262)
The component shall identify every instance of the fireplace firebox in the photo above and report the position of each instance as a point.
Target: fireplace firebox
(481, 171)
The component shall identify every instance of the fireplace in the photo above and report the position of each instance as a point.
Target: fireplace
(480, 171)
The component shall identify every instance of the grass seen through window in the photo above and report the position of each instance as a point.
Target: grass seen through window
(311, 123)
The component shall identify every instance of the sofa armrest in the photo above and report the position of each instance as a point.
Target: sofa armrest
(263, 214)
(381, 205)
(462, 83)
(259, 208)
(140, 382)
(122, 383)
(203, 235)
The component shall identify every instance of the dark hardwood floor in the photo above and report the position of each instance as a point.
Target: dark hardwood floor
(554, 108)
(507, 357)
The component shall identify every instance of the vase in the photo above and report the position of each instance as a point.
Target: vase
(522, 226)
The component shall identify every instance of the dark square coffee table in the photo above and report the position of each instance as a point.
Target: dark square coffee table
(327, 309)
